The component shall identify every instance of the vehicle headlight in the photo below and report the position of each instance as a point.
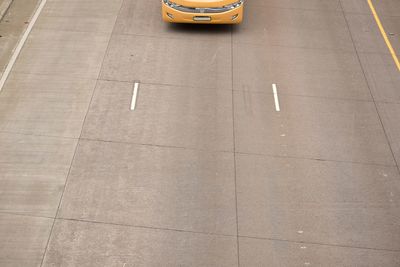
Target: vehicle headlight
(170, 4)
(231, 6)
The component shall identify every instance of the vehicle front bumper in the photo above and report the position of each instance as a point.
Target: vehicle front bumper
(233, 16)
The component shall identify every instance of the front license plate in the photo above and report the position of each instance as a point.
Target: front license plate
(201, 18)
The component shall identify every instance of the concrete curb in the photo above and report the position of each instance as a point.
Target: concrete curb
(4, 8)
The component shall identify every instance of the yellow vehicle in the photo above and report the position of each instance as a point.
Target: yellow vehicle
(203, 11)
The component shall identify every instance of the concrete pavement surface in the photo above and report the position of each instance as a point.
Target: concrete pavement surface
(206, 170)
(14, 17)
(4, 6)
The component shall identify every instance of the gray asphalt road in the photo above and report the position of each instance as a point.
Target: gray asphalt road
(206, 171)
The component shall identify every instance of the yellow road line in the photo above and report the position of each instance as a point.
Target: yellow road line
(385, 37)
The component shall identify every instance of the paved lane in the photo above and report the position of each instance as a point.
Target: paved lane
(205, 171)
(13, 17)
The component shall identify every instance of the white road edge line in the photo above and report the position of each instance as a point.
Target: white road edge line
(134, 95)
(4, 8)
(21, 44)
(275, 91)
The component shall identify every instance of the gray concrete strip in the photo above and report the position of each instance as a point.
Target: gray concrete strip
(13, 26)
(4, 6)
(113, 245)
(390, 114)
(165, 200)
(21, 44)
(384, 7)
(205, 64)
(80, 16)
(45, 105)
(63, 53)
(357, 40)
(319, 5)
(23, 239)
(261, 252)
(299, 71)
(33, 173)
(323, 29)
(368, 38)
(382, 76)
(294, 191)
(311, 128)
(163, 114)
